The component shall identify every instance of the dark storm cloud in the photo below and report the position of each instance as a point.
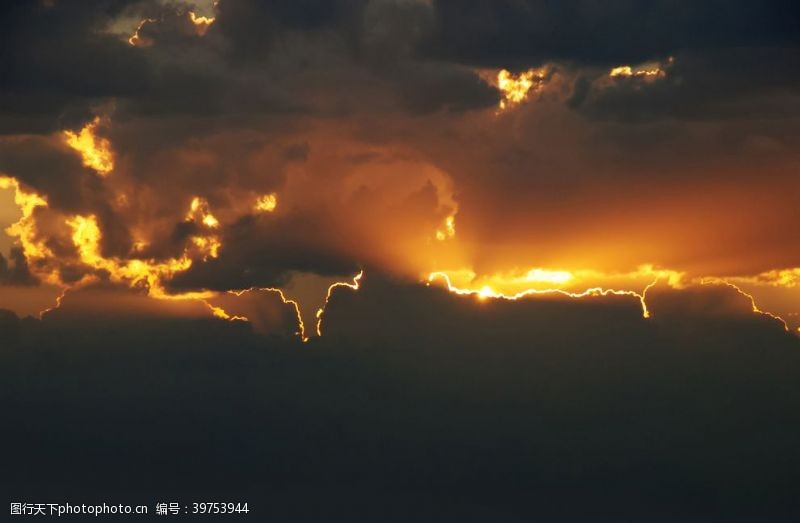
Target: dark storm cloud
(9, 327)
(277, 57)
(61, 60)
(711, 85)
(523, 33)
(55, 62)
(562, 412)
(253, 27)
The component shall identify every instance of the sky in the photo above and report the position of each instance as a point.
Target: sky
(342, 174)
(510, 146)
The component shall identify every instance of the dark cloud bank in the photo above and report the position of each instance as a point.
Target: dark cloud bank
(418, 405)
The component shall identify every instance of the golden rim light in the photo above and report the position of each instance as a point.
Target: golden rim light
(95, 150)
(199, 23)
(515, 88)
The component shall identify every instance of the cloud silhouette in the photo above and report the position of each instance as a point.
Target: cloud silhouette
(548, 408)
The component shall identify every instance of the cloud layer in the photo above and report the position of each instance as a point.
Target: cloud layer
(431, 406)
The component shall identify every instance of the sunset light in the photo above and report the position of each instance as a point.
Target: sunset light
(95, 150)
(429, 261)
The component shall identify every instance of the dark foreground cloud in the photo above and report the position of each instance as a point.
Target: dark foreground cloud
(544, 410)
(589, 32)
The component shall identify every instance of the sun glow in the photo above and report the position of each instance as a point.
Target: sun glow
(543, 275)
(584, 283)
(448, 230)
(486, 292)
(516, 284)
(519, 280)
(94, 150)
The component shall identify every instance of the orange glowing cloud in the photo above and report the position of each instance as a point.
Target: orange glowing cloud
(150, 273)
(198, 211)
(24, 229)
(86, 236)
(209, 244)
(94, 150)
(515, 88)
(267, 203)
